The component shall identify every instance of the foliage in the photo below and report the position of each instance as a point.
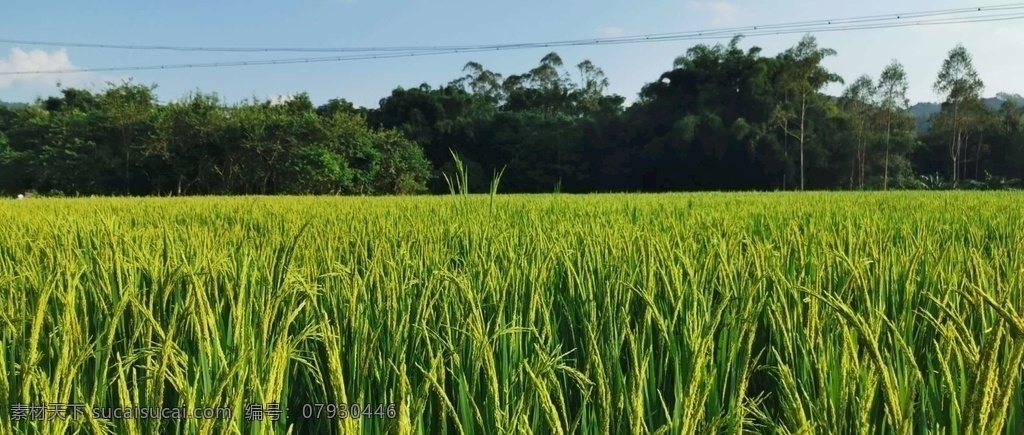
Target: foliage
(723, 118)
(122, 141)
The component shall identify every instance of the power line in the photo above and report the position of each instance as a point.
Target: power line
(769, 30)
(732, 30)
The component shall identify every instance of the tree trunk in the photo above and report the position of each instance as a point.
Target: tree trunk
(888, 132)
(954, 149)
(785, 144)
(863, 154)
(965, 140)
(127, 160)
(977, 158)
(853, 169)
(803, 114)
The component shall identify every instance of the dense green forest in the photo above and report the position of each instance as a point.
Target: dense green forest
(723, 118)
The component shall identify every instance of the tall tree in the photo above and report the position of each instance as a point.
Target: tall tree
(1010, 113)
(980, 121)
(858, 100)
(803, 76)
(959, 85)
(482, 81)
(892, 92)
(593, 83)
(547, 76)
(128, 108)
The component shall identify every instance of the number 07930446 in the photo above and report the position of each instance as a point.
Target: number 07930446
(342, 411)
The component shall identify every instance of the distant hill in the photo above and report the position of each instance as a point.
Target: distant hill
(12, 105)
(923, 111)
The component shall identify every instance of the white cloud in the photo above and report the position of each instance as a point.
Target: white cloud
(722, 11)
(38, 60)
(611, 32)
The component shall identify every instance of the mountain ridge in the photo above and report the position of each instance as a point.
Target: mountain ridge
(12, 105)
(925, 109)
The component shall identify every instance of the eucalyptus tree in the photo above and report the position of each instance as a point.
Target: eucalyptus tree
(593, 84)
(959, 85)
(803, 76)
(893, 102)
(858, 100)
(483, 82)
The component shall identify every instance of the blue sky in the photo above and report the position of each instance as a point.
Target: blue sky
(997, 47)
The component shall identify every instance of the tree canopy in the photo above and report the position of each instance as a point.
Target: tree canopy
(723, 118)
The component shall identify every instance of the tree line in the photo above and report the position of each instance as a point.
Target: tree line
(722, 118)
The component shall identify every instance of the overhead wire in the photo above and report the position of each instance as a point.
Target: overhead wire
(730, 30)
(848, 24)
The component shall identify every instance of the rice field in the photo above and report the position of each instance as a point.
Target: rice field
(818, 313)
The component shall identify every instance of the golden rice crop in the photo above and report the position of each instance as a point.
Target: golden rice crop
(815, 313)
